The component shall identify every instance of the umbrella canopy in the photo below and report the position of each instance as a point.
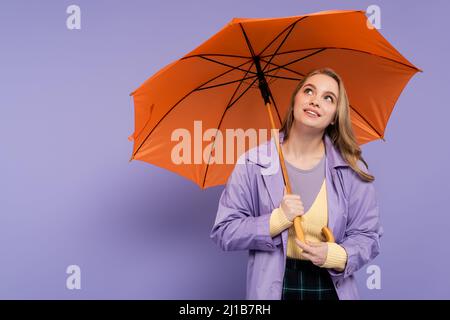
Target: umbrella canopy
(217, 83)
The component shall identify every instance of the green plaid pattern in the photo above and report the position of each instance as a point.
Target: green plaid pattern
(305, 281)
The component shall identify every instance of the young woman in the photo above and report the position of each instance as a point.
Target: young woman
(330, 188)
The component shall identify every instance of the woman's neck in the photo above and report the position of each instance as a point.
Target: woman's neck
(303, 146)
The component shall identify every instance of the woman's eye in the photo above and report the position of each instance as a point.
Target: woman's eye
(307, 90)
(330, 97)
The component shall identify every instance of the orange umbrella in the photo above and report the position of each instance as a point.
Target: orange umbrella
(220, 83)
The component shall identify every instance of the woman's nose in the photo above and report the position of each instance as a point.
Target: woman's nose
(314, 102)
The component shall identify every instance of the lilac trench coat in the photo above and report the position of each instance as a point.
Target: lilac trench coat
(255, 188)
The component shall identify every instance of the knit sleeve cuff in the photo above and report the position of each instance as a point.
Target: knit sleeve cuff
(336, 257)
(278, 222)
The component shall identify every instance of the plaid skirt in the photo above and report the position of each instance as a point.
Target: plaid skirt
(305, 281)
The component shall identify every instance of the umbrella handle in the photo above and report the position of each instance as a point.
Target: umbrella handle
(326, 232)
(298, 229)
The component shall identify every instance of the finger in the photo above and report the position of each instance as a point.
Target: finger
(308, 256)
(316, 244)
(296, 203)
(292, 196)
(293, 207)
(296, 209)
(298, 212)
(292, 204)
(303, 246)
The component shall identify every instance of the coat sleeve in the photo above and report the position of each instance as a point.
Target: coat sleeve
(363, 231)
(237, 226)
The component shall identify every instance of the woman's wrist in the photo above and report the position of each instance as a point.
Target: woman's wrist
(336, 257)
(278, 222)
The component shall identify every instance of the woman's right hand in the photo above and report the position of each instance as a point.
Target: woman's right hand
(291, 205)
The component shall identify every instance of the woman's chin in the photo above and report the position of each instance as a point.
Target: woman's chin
(308, 123)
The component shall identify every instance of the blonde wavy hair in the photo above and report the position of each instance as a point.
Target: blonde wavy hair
(341, 132)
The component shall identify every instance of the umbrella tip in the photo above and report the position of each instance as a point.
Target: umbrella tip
(130, 159)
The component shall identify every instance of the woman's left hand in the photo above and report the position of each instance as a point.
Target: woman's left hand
(316, 252)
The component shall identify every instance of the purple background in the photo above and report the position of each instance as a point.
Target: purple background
(70, 196)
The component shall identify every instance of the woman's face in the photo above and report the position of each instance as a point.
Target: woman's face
(319, 94)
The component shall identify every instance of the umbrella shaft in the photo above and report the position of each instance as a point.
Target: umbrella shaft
(297, 221)
(262, 82)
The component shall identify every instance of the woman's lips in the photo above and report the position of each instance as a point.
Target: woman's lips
(311, 114)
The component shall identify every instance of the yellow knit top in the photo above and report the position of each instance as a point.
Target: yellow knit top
(312, 222)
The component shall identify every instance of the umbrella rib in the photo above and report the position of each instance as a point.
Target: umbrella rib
(221, 119)
(293, 51)
(177, 103)
(297, 60)
(223, 115)
(350, 49)
(362, 117)
(293, 71)
(283, 31)
(242, 81)
(251, 77)
(228, 65)
(281, 44)
(240, 96)
(281, 77)
(229, 82)
(249, 45)
(214, 55)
